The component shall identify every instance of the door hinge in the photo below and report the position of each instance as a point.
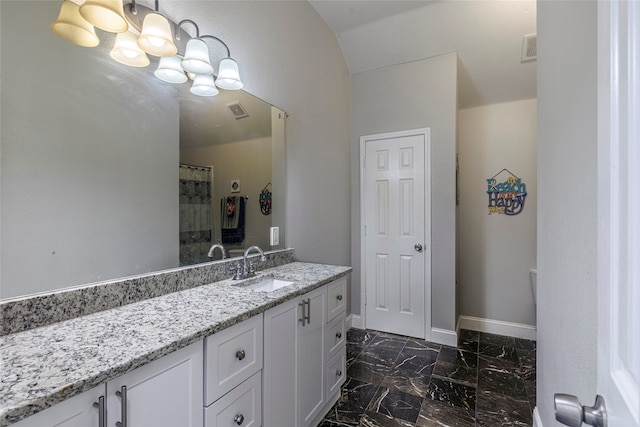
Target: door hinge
(365, 230)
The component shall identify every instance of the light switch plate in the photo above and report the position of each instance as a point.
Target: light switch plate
(274, 236)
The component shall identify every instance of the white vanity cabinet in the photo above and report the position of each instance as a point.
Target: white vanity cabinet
(78, 411)
(294, 386)
(166, 392)
(304, 345)
(233, 380)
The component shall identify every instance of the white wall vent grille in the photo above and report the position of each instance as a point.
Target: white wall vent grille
(529, 48)
(238, 110)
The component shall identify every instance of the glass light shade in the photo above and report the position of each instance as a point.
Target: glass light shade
(196, 58)
(156, 37)
(126, 51)
(72, 27)
(228, 75)
(203, 85)
(105, 14)
(170, 71)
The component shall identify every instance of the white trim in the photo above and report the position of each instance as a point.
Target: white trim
(356, 322)
(537, 422)
(426, 132)
(518, 330)
(348, 322)
(444, 336)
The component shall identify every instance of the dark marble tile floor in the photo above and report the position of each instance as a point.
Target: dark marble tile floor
(488, 380)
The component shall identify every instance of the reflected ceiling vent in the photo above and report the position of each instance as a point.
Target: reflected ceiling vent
(238, 110)
(529, 48)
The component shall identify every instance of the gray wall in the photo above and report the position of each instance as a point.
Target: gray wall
(409, 96)
(496, 250)
(567, 202)
(288, 57)
(89, 155)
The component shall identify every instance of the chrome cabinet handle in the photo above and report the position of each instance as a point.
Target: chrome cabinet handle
(304, 319)
(102, 414)
(122, 394)
(339, 297)
(239, 419)
(338, 373)
(418, 247)
(338, 335)
(570, 412)
(240, 354)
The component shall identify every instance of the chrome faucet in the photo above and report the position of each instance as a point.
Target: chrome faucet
(247, 269)
(213, 248)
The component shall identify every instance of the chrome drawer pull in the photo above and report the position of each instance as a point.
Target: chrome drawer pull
(338, 373)
(122, 394)
(240, 354)
(102, 414)
(339, 297)
(239, 419)
(338, 335)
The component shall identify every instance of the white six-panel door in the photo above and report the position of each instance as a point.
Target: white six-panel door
(619, 211)
(397, 247)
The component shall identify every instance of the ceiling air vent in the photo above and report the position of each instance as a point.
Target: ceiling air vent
(238, 110)
(529, 48)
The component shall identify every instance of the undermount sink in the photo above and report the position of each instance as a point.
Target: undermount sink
(268, 284)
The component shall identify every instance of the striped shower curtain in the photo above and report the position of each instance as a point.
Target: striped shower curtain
(196, 222)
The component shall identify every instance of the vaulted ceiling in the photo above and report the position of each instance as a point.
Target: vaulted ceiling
(486, 34)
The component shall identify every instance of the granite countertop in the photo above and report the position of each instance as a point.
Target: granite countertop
(46, 365)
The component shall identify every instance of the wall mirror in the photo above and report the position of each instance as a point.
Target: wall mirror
(90, 175)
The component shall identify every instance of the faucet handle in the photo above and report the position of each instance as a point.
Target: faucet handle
(236, 269)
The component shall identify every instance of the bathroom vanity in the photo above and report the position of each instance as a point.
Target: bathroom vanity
(222, 353)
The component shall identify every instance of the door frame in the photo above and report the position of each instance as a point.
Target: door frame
(426, 134)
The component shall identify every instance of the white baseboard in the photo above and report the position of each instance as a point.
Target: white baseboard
(439, 336)
(537, 422)
(356, 321)
(518, 330)
(444, 336)
(349, 322)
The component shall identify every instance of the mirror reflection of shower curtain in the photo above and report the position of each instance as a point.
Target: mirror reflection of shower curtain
(196, 225)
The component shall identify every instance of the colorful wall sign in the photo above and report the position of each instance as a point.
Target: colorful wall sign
(506, 197)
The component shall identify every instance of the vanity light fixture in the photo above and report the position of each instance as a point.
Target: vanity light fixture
(170, 70)
(107, 15)
(203, 85)
(126, 51)
(72, 27)
(157, 37)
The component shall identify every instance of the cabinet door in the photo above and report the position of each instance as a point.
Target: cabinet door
(280, 394)
(167, 392)
(311, 380)
(75, 412)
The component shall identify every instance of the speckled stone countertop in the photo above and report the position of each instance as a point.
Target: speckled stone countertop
(44, 366)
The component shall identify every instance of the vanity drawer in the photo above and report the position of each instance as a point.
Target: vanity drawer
(232, 356)
(337, 297)
(335, 336)
(241, 406)
(335, 373)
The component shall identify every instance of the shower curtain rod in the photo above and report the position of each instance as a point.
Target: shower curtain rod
(206, 168)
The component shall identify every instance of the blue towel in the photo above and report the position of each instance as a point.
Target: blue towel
(232, 225)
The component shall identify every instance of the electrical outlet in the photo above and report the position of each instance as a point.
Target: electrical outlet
(274, 236)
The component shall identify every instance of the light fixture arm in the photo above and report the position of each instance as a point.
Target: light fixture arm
(217, 39)
(187, 21)
(135, 11)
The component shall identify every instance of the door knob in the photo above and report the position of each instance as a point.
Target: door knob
(569, 411)
(418, 247)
